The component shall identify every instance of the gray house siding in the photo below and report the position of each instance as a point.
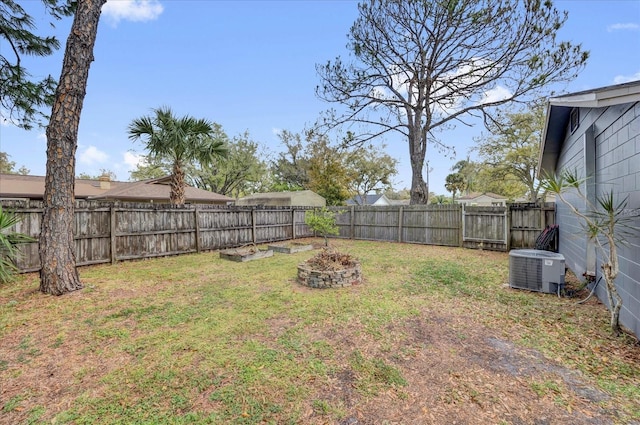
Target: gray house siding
(614, 133)
(573, 240)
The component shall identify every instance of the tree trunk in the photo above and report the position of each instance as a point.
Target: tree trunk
(419, 188)
(615, 301)
(58, 274)
(177, 196)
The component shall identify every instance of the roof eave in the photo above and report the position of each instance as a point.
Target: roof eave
(600, 98)
(559, 108)
(555, 127)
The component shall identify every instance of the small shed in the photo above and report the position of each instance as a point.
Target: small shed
(300, 198)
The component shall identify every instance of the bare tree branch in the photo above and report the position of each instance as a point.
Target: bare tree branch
(424, 65)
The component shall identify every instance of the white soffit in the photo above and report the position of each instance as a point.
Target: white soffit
(614, 95)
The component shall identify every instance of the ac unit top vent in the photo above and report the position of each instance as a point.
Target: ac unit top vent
(536, 253)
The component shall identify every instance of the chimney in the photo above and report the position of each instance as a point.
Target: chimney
(105, 182)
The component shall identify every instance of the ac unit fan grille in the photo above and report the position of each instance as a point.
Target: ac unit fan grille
(525, 273)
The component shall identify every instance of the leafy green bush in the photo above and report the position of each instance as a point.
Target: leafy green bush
(322, 221)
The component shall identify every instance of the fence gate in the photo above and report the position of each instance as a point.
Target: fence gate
(485, 227)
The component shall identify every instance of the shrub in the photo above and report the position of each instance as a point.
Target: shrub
(322, 221)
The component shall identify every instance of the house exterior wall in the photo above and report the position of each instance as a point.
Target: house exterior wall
(382, 202)
(303, 198)
(614, 134)
(266, 201)
(369, 200)
(308, 199)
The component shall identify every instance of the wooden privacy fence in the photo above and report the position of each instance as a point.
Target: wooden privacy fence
(485, 227)
(110, 232)
(423, 224)
(493, 228)
(526, 221)
(107, 232)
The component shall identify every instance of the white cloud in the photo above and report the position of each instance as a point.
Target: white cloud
(132, 10)
(381, 93)
(619, 79)
(399, 83)
(623, 27)
(132, 160)
(93, 155)
(495, 95)
(446, 99)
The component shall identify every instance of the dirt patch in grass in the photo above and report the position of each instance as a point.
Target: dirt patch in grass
(418, 343)
(460, 373)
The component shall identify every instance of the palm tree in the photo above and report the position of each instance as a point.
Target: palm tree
(455, 183)
(181, 140)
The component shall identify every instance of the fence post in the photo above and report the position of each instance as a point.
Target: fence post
(293, 223)
(112, 231)
(507, 224)
(196, 213)
(509, 221)
(253, 225)
(461, 237)
(352, 220)
(400, 211)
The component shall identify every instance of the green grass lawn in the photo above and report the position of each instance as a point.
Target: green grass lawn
(197, 339)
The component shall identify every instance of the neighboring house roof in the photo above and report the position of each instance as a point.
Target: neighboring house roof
(369, 200)
(21, 186)
(559, 110)
(476, 195)
(156, 190)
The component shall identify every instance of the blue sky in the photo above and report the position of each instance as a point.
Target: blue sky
(250, 66)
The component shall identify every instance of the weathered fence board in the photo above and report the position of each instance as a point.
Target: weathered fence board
(414, 225)
(376, 223)
(225, 228)
(485, 228)
(29, 259)
(527, 221)
(109, 232)
(272, 225)
(423, 224)
(443, 225)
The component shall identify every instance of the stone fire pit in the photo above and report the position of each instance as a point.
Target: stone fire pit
(330, 270)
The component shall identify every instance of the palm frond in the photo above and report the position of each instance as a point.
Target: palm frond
(9, 241)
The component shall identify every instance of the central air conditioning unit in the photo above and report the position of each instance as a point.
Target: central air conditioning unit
(536, 270)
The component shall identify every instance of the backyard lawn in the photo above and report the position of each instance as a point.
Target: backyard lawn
(433, 335)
